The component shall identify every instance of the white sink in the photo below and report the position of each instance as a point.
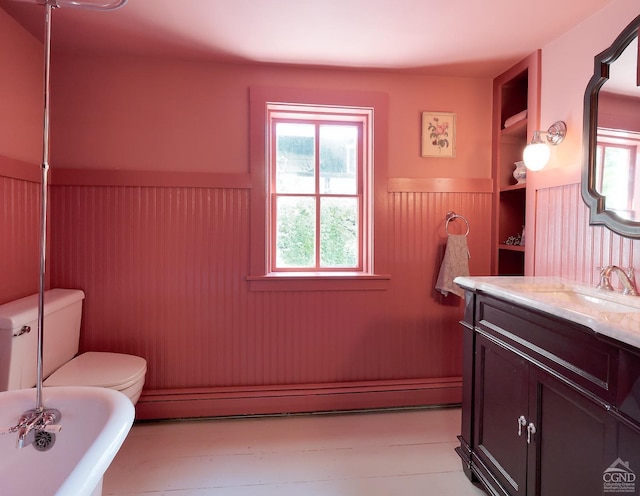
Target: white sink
(601, 303)
(95, 422)
(598, 300)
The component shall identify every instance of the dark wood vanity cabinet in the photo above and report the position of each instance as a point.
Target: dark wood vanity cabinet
(514, 450)
(541, 401)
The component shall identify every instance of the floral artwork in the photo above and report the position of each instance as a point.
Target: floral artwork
(438, 134)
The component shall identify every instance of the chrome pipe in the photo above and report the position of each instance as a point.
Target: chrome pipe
(84, 4)
(43, 206)
(107, 5)
(44, 190)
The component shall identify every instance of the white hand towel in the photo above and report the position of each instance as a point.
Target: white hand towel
(455, 263)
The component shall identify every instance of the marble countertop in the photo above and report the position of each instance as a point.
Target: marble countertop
(605, 312)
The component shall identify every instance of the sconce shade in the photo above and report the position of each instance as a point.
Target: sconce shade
(536, 156)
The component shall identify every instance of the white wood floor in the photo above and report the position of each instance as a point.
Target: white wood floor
(399, 453)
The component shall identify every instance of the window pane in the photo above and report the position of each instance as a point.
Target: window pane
(599, 168)
(295, 158)
(295, 232)
(338, 159)
(615, 177)
(339, 232)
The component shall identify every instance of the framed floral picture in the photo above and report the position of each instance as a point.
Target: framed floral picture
(438, 134)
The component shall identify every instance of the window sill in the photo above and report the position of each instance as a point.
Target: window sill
(319, 281)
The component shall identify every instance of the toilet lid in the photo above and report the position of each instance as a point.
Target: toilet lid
(111, 370)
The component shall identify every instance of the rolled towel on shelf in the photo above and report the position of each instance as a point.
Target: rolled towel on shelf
(455, 263)
(515, 118)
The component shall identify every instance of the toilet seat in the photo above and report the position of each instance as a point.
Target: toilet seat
(111, 370)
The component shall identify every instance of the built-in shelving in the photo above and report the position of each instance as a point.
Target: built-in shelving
(514, 91)
(517, 130)
(514, 187)
(511, 247)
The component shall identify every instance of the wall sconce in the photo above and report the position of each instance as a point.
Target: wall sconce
(536, 154)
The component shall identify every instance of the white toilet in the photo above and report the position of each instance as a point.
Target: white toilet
(61, 366)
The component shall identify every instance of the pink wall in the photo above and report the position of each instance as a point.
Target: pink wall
(618, 111)
(163, 256)
(567, 66)
(568, 247)
(150, 216)
(20, 92)
(188, 116)
(165, 270)
(20, 151)
(19, 231)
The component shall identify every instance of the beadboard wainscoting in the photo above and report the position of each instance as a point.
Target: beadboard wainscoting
(19, 229)
(165, 268)
(566, 246)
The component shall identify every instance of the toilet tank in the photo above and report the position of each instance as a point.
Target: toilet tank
(19, 347)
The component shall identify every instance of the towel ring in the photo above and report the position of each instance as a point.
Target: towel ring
(453, 215)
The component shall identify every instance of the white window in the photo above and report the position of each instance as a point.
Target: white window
(616, 177)
(314, 217)
(318, 196)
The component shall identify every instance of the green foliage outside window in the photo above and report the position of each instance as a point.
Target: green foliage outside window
(296, 233)
(338, 234)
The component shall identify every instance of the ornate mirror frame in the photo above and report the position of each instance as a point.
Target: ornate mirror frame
(599, 215)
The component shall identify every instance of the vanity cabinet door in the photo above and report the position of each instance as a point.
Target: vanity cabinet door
(500, 417)
(534, 434)
(574, 441)
(628, 452)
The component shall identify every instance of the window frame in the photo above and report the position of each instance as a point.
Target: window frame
(269, 102)
(363, 170)
(613, 138)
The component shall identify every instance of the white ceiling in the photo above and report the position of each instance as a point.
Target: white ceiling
(456, 37)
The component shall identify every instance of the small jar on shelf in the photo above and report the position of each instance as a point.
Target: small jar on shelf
(520, 172)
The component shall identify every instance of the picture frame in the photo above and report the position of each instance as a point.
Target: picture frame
(439, 134)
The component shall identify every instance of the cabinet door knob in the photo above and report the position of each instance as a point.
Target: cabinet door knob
(531, 430)
(522, 421)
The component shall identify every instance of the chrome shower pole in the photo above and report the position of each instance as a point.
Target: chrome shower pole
(43, 204)
(49, 6)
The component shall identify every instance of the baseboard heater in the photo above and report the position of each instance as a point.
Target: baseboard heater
(297, 398)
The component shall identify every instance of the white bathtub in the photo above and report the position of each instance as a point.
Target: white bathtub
(95, 423)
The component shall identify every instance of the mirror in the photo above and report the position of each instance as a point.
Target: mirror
(611, 136)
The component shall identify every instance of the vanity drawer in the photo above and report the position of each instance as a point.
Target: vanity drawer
(570, 351)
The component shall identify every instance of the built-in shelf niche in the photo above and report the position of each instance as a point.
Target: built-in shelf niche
(514, 91)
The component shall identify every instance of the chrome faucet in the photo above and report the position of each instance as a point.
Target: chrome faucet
(26, 428)
(33, 421)
(625, 278)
